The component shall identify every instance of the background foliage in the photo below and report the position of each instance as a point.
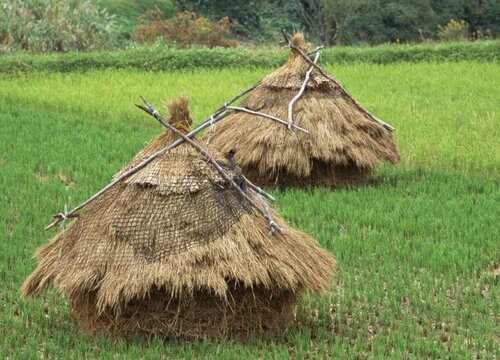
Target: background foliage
(54, 25)
(82, 25)
(185, 29)
(354, 21)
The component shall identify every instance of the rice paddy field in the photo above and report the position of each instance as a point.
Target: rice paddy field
(418, 248)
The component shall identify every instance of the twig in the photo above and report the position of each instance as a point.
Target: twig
(254, 187)
(237, 108)
(332, 79)
(216, 116)
(257, 189)
(301, 91)
(285, 36)
(211, 132)
(314, 50)
(148, 108)
(272, 225)
(227, 103)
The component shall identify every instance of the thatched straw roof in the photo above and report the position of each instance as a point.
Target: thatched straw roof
(176, 225)
(340, 134)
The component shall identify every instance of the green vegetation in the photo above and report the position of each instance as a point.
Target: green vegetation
(42, 26)
(352, 22)
(417, 248)
(161, 58)
(185, 30)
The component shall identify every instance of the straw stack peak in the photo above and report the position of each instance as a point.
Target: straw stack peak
(298, 40)
(179, 114)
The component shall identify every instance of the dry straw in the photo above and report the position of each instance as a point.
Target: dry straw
(344, 141)
(174, 249)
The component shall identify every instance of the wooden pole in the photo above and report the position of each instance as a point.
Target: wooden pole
(274, 118)
(63, 216)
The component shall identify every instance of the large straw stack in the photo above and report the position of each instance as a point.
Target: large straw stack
(173, 249)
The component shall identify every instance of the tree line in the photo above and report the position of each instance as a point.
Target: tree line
(354, 22)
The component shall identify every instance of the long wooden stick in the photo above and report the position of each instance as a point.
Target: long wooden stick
(301, 91)
(238, 108)
(148, 108)
(243, 93)
(315, 50)
(63, 216)
(254, 187)
(216, 116)
(342, 89)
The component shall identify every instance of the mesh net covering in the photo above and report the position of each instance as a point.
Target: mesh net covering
(173, 205)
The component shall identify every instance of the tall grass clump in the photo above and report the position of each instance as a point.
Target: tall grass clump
(42, 26)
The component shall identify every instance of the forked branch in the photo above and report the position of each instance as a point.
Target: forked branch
(63, 216)
(258, 190)
(273, 226)
(216, 116)
(271, 117)
(301, 91)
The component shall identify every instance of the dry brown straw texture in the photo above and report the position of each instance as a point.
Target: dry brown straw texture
(176, 231)
(343, 143)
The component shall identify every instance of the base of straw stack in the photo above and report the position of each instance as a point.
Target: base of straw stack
(246, 312)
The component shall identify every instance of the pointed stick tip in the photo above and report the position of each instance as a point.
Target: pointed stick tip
(285, 36)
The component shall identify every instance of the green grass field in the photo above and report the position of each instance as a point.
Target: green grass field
(418, 248)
